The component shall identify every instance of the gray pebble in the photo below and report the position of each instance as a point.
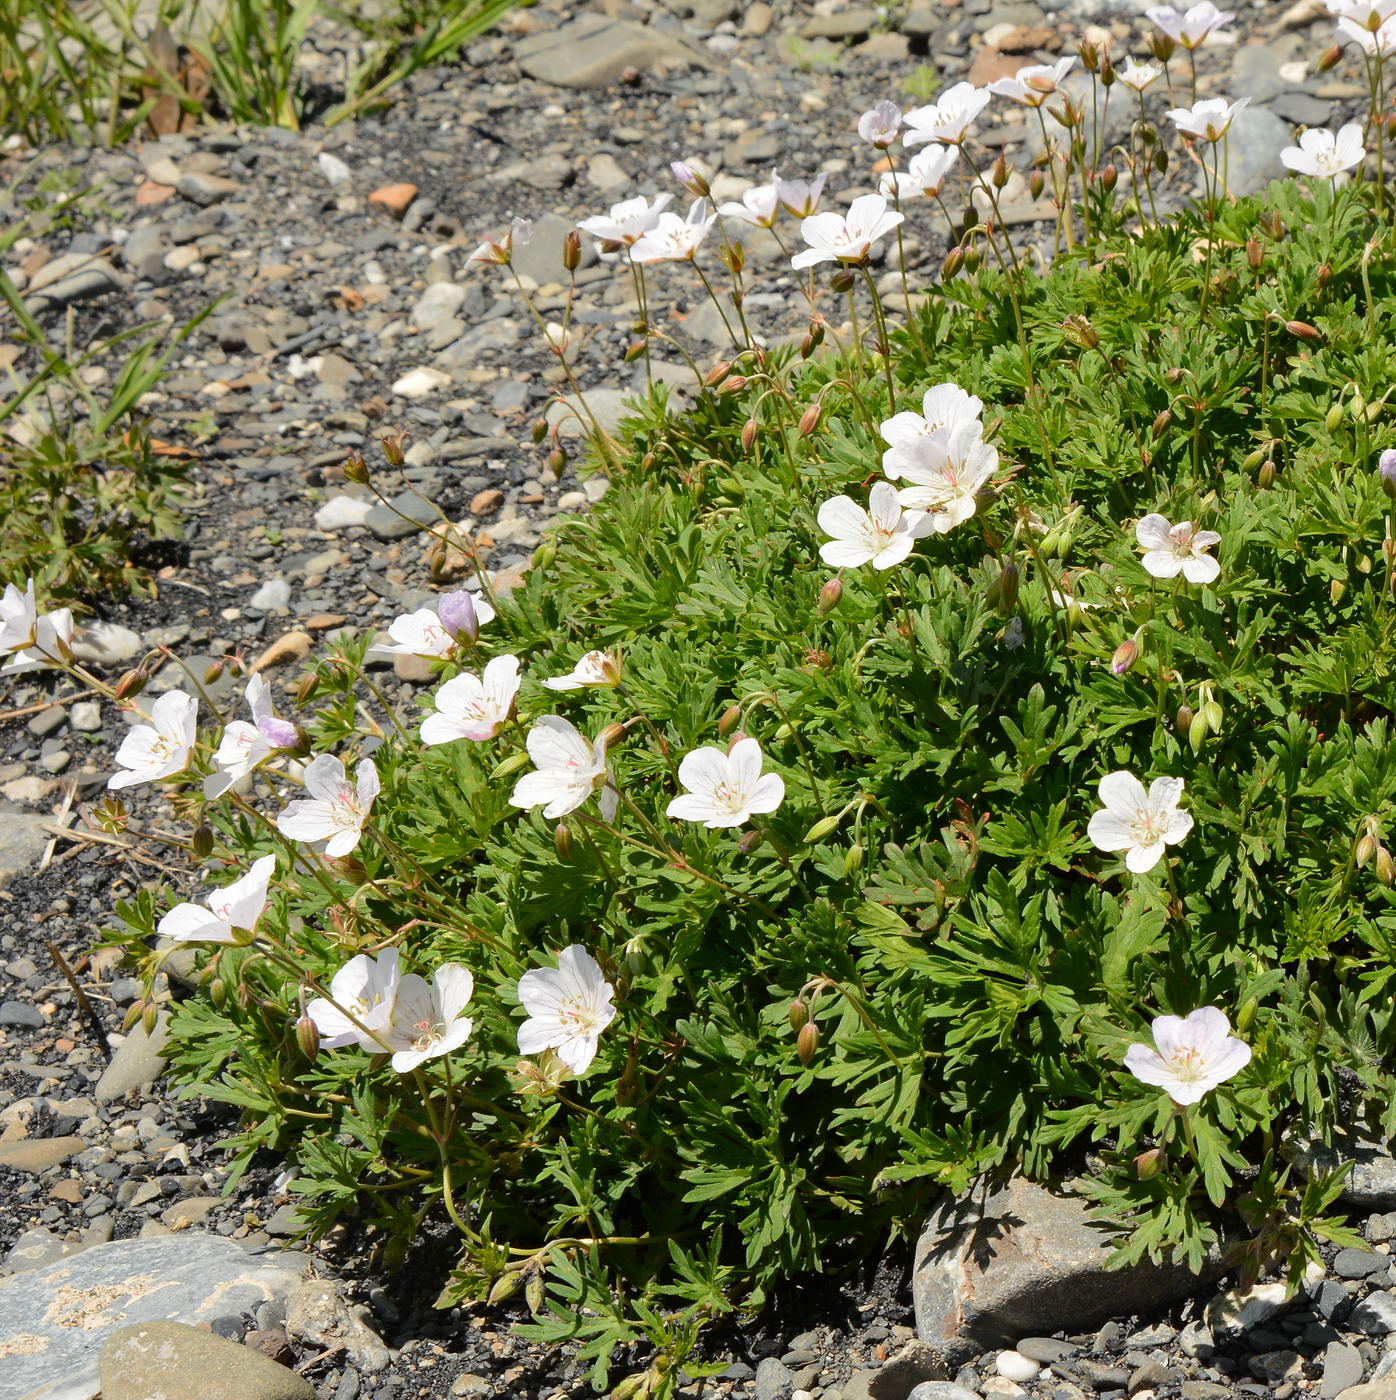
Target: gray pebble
(1342, 1367)
(1046, 1350)
(1375, 1314)
(21, 1014)
(1359, 1263)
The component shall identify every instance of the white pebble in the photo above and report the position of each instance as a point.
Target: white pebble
(417, 383)
(340, 512)
(1015, 1366)
(332, 168)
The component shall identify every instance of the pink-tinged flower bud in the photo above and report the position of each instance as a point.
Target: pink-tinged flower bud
(132, 683)
(393, 447)
(557, 462)
(816, 333)
(1109, 177)
(798, 1015)
(1384, 868)
(1125, 656)
(954, 261)
(540, 430)
(458, 615)
(308, 1037)
(562, 841)
(1302, 330)
(1148, 1165)
(717, 374)
(133, 1014)
(572, 250)
(213, 672)
(830, 596)
(1386, 466)
(1255, 254)
(729, 720)
(1330, 58)
(634, 350)
(1265, 477)
(305, 691)
(692, 180)
(356, 469)
(842, 281)
(1036, 184)
(748, 841)
(733, 384)
(749, 434)
(612, 734)
(1390, 126)
(1323, 274)
(1365, 851)
(807, 1042)
(735, 738)
(809, 419)
(998, 176)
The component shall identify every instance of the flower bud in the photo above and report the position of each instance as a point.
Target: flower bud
(458, 616)
(1365, 850)
(1214, 714)
(1183, 720)
(1265, 477)
(807, 346)
(1160, 160)
(691, 179)
(1386, 466)
(1109, 178)
(132, 683)
(998, 175)
(729, 720)
(1384, 869)
(1107, 71)
(557, 462)
(825, 826)
(733, 384)
(1172, 375)
(218, 993)
(612, 734)
(734, 255)
(809, 419)
(853, 859)
(748, 841)
(798, 1015)
(1271, 222)
(201, 843)
(1080, 332)
(1148, 1165)
(1036, 184)
(1197, 730)
(392, 447)
(1357, 406)
(807, 1042)
(1333, 419)
(1302, 330)
(1090, 54)
(1008, 588)
(504, 1287)
(749, 434)
(1161, 422)
(305, 691)
(973, 257)
(1336, 589)
(717, 374)
(356, 469)
(1162, 46)
(572, 250)
(1255, 253)
(533, 1288)
(1330, 58)
(133, 1014)
(308, 1037)
(635, 349)
(1125, 656)
(151, 1013)
(842, 281)
(1390, 126)
(829, 597)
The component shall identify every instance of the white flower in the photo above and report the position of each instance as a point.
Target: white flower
(942, 406)
(948, 118)
(1381, 41)
(724, 789)
(1208, 119)
(500, 251)
(947, 470)
(19, 617)
(1191, 27)
(879, 126)
(1366, 14)
(1321, 153)
(799, 198)
(1177, 549)
(881, 535)
(436, 631)
(1138, 75)
(244, 745)
(232, 912)
(673, 239)
(366, 989)
(473, 707)
(596, 668)
(568, 1008)
(627, 221)
(161, 748)
(427, 1020)
(1033, 85)
(1190, 1055)
(760, 206)
(1137, 822)
(846, 237)
(336, 810)
(925, 174)
(570, 768)
(53, 632)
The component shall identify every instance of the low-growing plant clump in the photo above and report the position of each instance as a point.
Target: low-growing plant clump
(949, 749)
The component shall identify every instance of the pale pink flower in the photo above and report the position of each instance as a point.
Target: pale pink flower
(436, 631)
(601, 669)
(1177, 549)
(879, 126)
(673, 239)
(360, 1005)
(473, 707)
(1138, 76)
(19, 616)
(760, 205)
(847, 237)
(500, 251)
(882, 535)
(161, 748)
(429, 1020)
(725, 787)
(244, 745)
(1322, 154)
(1033, 85)
(942, 406)
(1208, 120)
(1137, 822)
(336, 810)
(1190, 1055)
(800, 198)
(948, 118)
(53, 634)
(231, 914)
(568, 1007)
(628, 221)
(569, 768)
(1191, 27)
(946, 470)
(925, 174)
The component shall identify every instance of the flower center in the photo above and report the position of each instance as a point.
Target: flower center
(426, 1032)
(1187, 1063)
(1148, 828)
(581, 1014)
(728, 796)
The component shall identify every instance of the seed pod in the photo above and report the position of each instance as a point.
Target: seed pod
(1197, 730)
(132, 683)
(505, 1286)
(308, 1037)
(798, 1015)
(201, 843)
(807, 1042)
(1125, 656)
(562, 842)
(717, 374)
(829, 597)
(1265, 477)
(1384, 869)
(533, 1293)
(1183, 721)
(825, 826)
(729, 720)
(1161, 422)
(572, 250)
(1365, 850)
(1008, 588)
(1148, 1165)
(954, 261)
(749, 434)
(809, 419)
(1302, 330)
(557, 462)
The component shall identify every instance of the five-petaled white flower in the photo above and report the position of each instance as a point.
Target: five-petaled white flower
(244, 745)
(232, 912)
(725, 787)
(1321, 153)
(1033, 85)
(336, 810)
(428, 1019)
(1366, 14)
(596, 668)
(1190, 1055)
(1208, 120)
(760, 205)
(360, 1004)
(161, 748)
(500, 251)
(1139, 76)
(19, 616)
(473, 707)
(53, 632)
(1193, 25)
(925, 174)
(881, 536)
(1177, 549)
(568, 1007)
(1137, 822)
(673, 239)
(569, 768)
(948, 118)
(628, 221)
(846, 237)
(799, 198)
(942, 406)
(946, 471)
(879, 126)
(437, 631)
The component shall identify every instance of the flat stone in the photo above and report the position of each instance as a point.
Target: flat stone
(139, 1061)
(388, 524)
(396, 199)
(1373, 1390)
(905, 1369)
(40, 1154)
(1342, 1369)
(541, 257)
(1046, 1350)
(1026, 1260)
(1375, 1315)
(22, 842)
(1238, 1311)
(1359, 1263)
(96, 277)
(202, 189)
(774, 1379)
(418, 383)
(341, 513)
(609, 405)
(152, 1360)
(842, 24)
(438, 303)
(1253, 146)
(106, 644)
(592, 51)
(35, 1248)
(54, 1320)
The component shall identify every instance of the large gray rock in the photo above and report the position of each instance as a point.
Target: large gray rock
(541, 257)
(593, 51)
(54, 1320)
(171, 1361)
(22, 842)
(1370, 1185)
(1253, 147)
(138, 1062)
(1021, 1261)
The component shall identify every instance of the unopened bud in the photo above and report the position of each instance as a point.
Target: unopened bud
(1079, 331)
(213, 672)
(954, 261)
(201, 843)
(853, 859)
(305, 691)
(572, 250)
(504, 1287)
(1215, 715)
(1160, 160)
(693, 180)
(1008, 588)
(998, 176)
(717, 374)
(1161, 423)
(842, 281)
(1253, 459)
(151, 1014)
(1172, 375)
(806, 346)
(218, 993)
(1265, 477)
(1255, 253)
(634, 349)
(1333, 419)
(749, 434)
(1197, 730)
(733, 384)
(132, 683)
(308, 1037)
(1036, 184)
(1162, 46)
(973, 257)
(734, 255)
(1109, 178)
(1107, 71)
(807, 1042)
(1148, 1165)
(1390, 125)
(1357, 406)
(1271, 222)
(1386, 469)
(1330, 58)
(1365, 850)
(1336, 589)
(825, 826)
(533, 1287)
(1183, 721)
(729, 720)
(612, 734)
(798, 1015)
(809, 419)
(1384, 869)
(1125, 656)
(1090, 55)
(748, 841)
(1302, 330)
(392, 447)
(356, 469)
(557, 462)
(830, 596)
(562, 841)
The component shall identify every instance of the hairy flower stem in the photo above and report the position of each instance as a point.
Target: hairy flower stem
(196, 682)
(901, 246)
(661, 743)
(1192, 74)
(880, 317)
(769, 697)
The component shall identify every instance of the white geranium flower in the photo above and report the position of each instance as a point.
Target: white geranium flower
(161, 748)
(673, 239)
(428, 1020)
(846, 237)
(881, 536)
(924, 176)
(725, 788)
(760, 205)
(1380, 42)
(879, 126)
(1367, 14)
(628, 221)
(473, 707)
(568, 1008)
(948, 118)
(1190, 1055)
(336, 810)
(942, 406)
(1033, 85)
(800, 198)
(244, 745)
(1321, 153)
(19, 617)
(596, 668)
(1208, 120)
(366, 988)
(570, 768)
(1190, 28)
(232, 912)
(1177, 549)
(53, 633)
(1137, 822)
(437, 631)
(1138, 75)
(946, 471)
